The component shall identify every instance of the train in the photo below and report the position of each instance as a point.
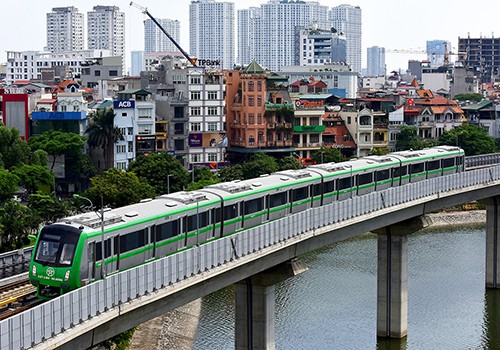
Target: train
(81, 249)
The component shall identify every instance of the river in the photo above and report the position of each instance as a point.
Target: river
(333, 304)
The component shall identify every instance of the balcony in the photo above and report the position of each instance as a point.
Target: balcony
(309, 128)
(276, 106)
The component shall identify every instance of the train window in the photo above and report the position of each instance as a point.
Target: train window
(416, 168)
(382, 175)
(317, 190)
(107, 248)
(365, 178)
(299, 194)
(448, 162)
(277, 199)
(217, 212)
(230, 212)
(460, 160)
(200, 218)
(167, 230)
(345, 183)
(400, 171)
(432, 165)
(328, 186)
(253, 206)
(131, 241)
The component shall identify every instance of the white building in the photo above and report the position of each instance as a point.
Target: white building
(375, 61)
(155, 40)
(271, 38)
(211, 31)
(106, 30)
(347, 19)
(65, 29)
(28, 65)
(135, 117)
(316, 46)
(136, 62)
(206, 141)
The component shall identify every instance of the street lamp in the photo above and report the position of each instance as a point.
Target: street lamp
(100, 214)
(168, 183)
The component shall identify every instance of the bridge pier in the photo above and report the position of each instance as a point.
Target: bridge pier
(492, 242)
(392, 277)
(255, 305)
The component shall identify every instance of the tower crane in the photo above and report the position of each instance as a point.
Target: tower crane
(146, 12)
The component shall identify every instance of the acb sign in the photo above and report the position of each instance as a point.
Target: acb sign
(124, 104)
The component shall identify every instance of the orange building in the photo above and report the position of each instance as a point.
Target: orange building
(259, 114)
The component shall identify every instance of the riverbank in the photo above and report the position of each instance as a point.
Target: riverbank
(176, 330)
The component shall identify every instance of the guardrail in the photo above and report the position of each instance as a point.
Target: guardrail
(482, 160)
(15, 262)
(32, 327)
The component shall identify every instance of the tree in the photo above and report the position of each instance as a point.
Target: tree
(8, 185)
(32, 177)
(327, 155)
(162, 171)
(289, 162)
(259, 164)
(102, 133)
(203, 176)
(46, 208)
(230, 173)
(476, 98)
(13, 150)
(16, 221)
(408, 138)
(57, 143)
(118, 188)
(474, 140)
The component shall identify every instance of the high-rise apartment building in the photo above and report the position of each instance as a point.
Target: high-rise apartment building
(436, 50)
(347, 19)
(375, 61)
(270, 33)
(65, 29)
(155, 40)
(316, 46)
(211, 31)
(106, 29)
(481, 54)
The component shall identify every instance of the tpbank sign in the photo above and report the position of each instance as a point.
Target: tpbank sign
(123, 104)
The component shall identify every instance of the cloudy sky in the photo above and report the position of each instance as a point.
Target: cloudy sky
(386, 23)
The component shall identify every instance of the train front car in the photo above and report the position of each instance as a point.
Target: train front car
(54, 267)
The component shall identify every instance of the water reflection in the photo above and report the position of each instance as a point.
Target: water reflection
(333, 304)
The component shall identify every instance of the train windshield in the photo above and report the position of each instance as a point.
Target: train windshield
(57, 245)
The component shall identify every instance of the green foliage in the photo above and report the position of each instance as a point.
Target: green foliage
(118, 188)
(8, 184)
(289, 162)
(474, 140)
(154, 169)
(57, 143)
(259, 164)
(32, 177)
(408, 138)
(120, 341)
(39, 157)
(13, 150)
(471, 97)
(16, 220)
(200, 184)
(231, 173)
(379, 151)
(102, 132)
(45, 208)
(330, 154)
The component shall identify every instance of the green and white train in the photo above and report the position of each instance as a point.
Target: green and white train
(68, 253)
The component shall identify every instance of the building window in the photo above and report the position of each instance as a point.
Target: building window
(130, 146)
(195, 80)
(259, 101)
(195, 111)
(313, 121)
(97, 73)
(121, 165)
(144, 129)
(251, 140)
(212, 110)
(251, 100)
(212, 126)
(124, 114)
(259, 118)
(251, 119)
(121, 148)
(195, 158)
(259, 86)
(212, 157)
(212, 95)
(63, 108)
(250, 86)
(113, 73)
(195, 126)
(195, 95)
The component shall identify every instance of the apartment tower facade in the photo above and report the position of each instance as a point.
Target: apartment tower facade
(65, 30)
(347, 20)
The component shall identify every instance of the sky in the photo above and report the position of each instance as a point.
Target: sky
(392, 24)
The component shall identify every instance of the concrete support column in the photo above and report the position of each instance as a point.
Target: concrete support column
(492, 242)
(255, 306)
(392, 277)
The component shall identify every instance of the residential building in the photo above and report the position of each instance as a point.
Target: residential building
(341, 80)
(347, 20)
(259, 112)
(154, 38)
(95, 70)
(65, 30)
(30, 65)
(212, 32)
(317, 46)
(376, 61)
(135, 117)
(481, 54)
(106, 30)
(437, 52)
(271, 40)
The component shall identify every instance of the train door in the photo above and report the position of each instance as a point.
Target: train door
(150, 240)
(91, 259)
(109, 250)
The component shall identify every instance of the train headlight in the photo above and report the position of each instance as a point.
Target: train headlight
(33, 270)
(66, 275)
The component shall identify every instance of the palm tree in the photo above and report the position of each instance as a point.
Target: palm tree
(102, 133)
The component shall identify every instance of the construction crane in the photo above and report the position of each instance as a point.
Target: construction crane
(146, 12)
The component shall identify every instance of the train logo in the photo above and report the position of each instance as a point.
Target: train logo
(50, 272)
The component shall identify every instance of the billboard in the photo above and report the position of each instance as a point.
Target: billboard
(216, 139)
